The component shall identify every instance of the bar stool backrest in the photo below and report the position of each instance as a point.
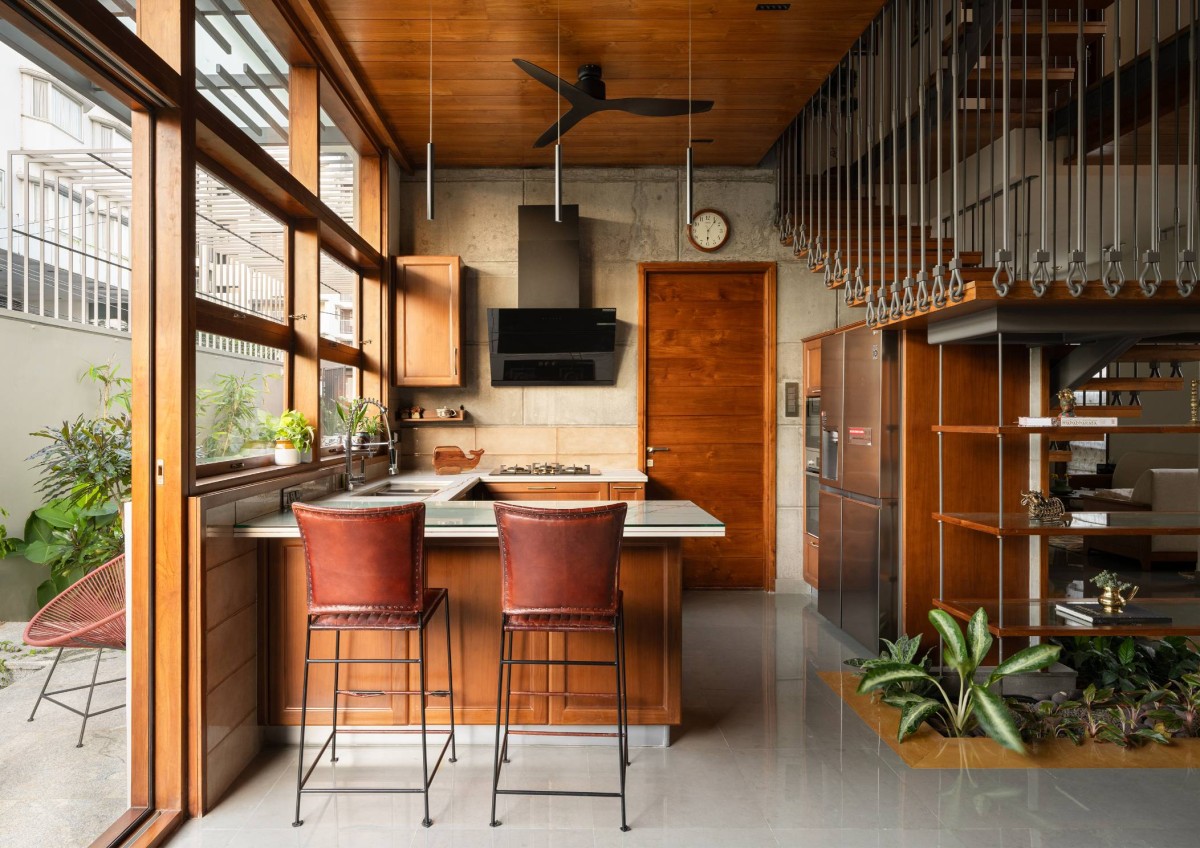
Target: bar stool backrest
(363, 560)
(560, 560)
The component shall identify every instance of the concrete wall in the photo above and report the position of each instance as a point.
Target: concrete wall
(626, 216)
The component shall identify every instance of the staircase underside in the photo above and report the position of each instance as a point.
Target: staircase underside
(1057, 317)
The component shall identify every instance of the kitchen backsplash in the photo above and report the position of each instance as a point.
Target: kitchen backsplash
(602, 447)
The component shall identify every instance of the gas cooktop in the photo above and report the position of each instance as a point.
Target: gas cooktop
(543, 468)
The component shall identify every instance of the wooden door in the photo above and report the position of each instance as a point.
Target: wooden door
(706, 401)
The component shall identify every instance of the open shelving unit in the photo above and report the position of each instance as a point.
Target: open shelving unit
(1035, 617)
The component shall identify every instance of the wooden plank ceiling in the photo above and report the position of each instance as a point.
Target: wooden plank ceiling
(759, 67)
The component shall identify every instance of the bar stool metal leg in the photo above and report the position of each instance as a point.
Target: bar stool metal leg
(427, 821)
(619, 669)
(499, 701)
(337, 663)
(303, 722)
(450, 684)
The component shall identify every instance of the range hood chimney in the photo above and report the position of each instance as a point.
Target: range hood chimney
(547, 257)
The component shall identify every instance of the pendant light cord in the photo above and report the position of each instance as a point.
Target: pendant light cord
(431, 71)
(558, 67)
(689, 144)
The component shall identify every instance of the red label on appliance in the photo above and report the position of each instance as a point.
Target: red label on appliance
(859, 436)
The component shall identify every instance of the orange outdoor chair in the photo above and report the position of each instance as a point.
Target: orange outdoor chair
(89, 614)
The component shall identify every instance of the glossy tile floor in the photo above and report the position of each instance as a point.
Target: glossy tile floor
(767, 756)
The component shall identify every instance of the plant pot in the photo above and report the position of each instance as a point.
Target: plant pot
(286, 453)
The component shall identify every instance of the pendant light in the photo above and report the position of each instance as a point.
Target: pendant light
(558, 176)
(688, 176)
(429, 144)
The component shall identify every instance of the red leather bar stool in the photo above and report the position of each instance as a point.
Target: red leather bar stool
(366, 571)
(560, 571)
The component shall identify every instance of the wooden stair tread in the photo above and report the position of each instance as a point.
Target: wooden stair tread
(1133, 384)
(1058, 456)
(1161, 353)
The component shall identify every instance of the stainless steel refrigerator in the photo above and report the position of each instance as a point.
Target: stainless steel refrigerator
(858, 512)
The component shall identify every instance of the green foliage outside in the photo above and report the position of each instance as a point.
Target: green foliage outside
(229, 418)
(85, 471)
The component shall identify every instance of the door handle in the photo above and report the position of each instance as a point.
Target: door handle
(540, 488)
(651, 450)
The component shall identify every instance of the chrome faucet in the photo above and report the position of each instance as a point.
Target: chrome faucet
(352, 417)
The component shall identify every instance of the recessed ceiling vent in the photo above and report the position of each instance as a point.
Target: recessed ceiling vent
(772, 7)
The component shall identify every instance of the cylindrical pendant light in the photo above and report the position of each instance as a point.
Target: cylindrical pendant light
(689, 175)
(429, 144)
(558, 176)
(558, 183)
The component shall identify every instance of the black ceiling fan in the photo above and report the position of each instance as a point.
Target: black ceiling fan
(587, 98)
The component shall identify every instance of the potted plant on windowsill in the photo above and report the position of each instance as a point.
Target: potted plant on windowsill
(293, 438)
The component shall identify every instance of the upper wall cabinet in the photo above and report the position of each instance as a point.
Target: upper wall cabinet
(428, 321)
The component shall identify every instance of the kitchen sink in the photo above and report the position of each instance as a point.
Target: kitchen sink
(398, 490)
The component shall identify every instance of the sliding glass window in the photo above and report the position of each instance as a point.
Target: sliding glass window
(239, 70)
(339, 166)
(242, 336)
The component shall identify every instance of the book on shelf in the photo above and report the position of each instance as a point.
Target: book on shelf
(1088, 421)
(1036, 421)
(1094, 614)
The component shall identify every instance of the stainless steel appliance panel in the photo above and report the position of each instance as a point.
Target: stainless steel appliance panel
(829, 562)
(812, 500)
(832, 382)
(867, 584)
(869, 422)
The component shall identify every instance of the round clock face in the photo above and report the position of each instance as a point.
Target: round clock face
(709, 230)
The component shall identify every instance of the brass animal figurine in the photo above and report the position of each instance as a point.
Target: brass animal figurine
(452, 460)
(1042, 508)
(1066, 400)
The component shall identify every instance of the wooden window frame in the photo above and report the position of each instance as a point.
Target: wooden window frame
(174, 129)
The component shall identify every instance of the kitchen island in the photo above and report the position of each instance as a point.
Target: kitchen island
(462, 555)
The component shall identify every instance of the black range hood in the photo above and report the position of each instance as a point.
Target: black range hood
(552, 346)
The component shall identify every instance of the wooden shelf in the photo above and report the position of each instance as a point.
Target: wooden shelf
(1058, 456)
(1037, 617)
(434, 422)
(1065, 434)
(1125, 523)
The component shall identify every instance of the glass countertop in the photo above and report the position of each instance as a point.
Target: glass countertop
(478, 518)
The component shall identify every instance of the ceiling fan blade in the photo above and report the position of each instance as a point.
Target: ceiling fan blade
(559, 128)
(555, 83)
(658, 107)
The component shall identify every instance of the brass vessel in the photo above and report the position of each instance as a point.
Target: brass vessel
(1112, 601)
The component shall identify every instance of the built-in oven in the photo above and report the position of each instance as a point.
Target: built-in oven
(812, 463)
(812, 499)
(812, 434)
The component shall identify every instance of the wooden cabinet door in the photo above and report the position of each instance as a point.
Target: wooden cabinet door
(428, 321)
(650, 577)
(812, 560)
(812, 368)
(287, 591)
(626, 491)
(547, 491)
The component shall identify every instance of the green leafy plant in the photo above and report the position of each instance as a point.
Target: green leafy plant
(293, 426)
(230, 407)
(1110, 580)
(7, 545)
(72, 540)
(975, 705)
(903, 650)
(1129, 664)
(86, 470)
(1047, 720)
